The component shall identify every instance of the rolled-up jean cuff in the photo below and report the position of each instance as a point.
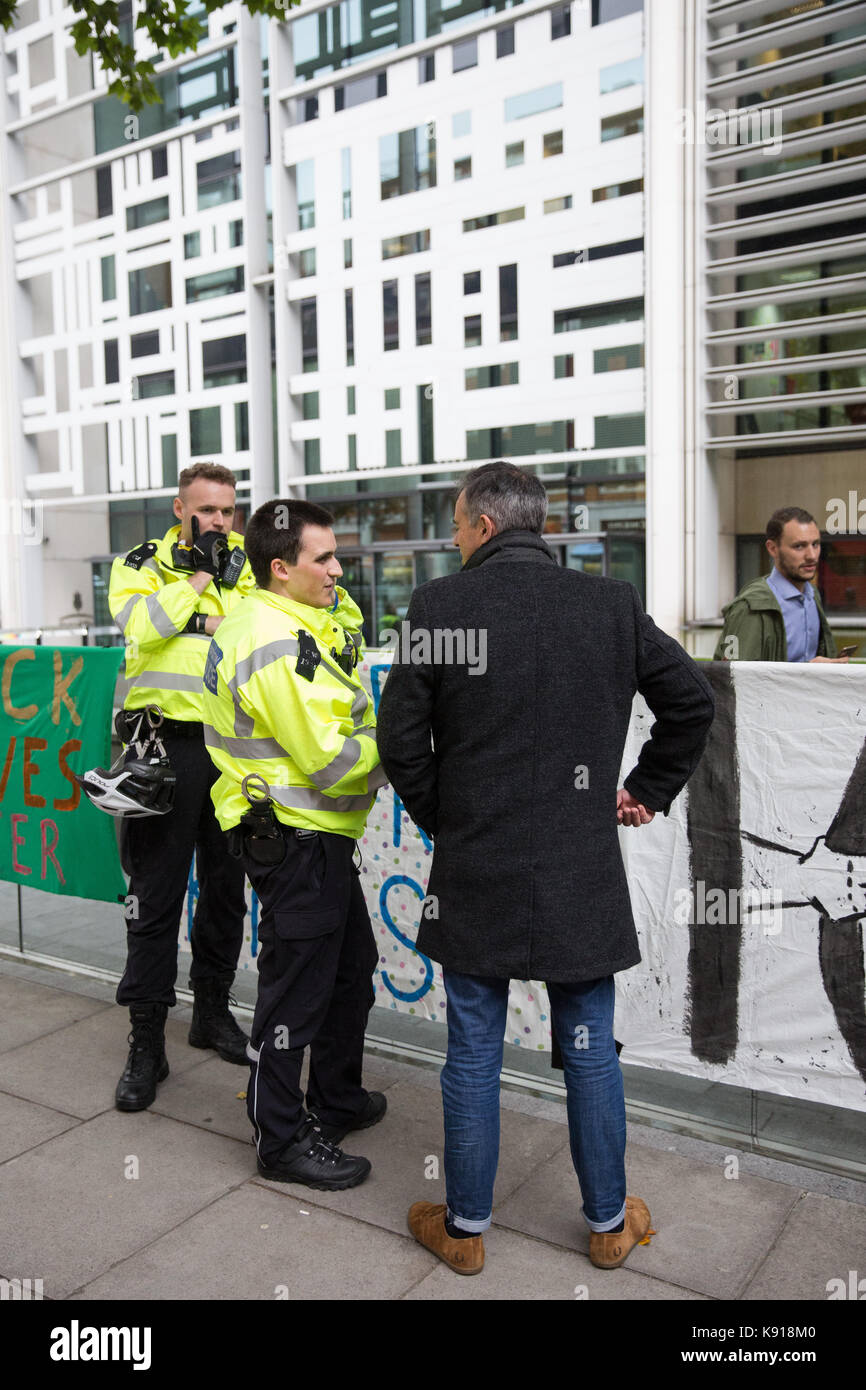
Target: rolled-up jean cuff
(601, 1226)
(476, 1227)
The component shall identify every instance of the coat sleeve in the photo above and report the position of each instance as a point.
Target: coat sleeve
(148, 612)
(682, 701)
(404, 728)
(742, 635)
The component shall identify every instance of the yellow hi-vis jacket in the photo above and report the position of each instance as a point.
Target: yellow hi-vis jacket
(312, 740)
(151, 602)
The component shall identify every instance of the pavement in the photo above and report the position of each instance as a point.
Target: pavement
(166, 1204)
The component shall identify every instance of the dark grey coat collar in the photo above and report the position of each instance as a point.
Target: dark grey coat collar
(511, 545)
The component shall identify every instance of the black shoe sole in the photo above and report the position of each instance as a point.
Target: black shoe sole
(332, 1186)
(129, 1107)
(220, 1052)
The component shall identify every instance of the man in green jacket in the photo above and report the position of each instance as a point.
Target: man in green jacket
(779, 616)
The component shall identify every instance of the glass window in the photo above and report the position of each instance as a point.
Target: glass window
(242, 427)
(425, 424)
(159, 161)
(191, 245)
(552, 437)
(346, 167)
(236, 232)
(307, 108)
(493, 219)
(360, 90)
(205, 85)
(500, 374)
(464, 54)
(605, 10)
(305, 189)
(472, 330)
(350, 400)
(558, 204)
(461, 124)
(309, 335)
(531, 103)
(505, 41)
(144, 344)
(112, 361)
(472, 282)
(561, 258)
(352, 441)
(109, 284)
(563, 365)
(145, 214)
(393, 449)
(514, 154)
(427, 67)
(560, 22)
(618, 359)
(613, 430)
(169, 460)
(624, 123)
(310, 405)
(224, 361)
(614, 248)
(552, 144)
(406, 245)
(507, 303)
(423, 322)
(219, 179)
(597, 315)
(104, 192)
(307, 262)
(392, 397)
(150, 288)
(205, 431)
(347, 253)
(407, 161)
(349, 310)
(463, 168)
(627, 74)
(215, 283)
(153, 384)
(617, 190)
(312, 456)
(390, 316)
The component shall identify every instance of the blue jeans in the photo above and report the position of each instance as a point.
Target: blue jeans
(582, 1016)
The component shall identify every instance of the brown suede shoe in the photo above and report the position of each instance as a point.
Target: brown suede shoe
(427, 1224)
(608, 1249)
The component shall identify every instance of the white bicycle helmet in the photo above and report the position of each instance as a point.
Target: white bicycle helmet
(135, 789)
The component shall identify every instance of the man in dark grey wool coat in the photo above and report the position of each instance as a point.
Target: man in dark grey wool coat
(502, 727)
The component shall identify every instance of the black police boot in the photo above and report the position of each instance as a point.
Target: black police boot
(313, 1162)
(147, 1063)
(212, 1023)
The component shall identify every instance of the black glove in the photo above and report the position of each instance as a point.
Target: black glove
(209, 549)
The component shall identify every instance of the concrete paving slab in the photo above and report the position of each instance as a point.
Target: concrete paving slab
(210, 1096)
(76, 1069)
(29, 1011)
(23, 1125)
(824, 1240)
(259, 1244)
(518, 1268)
(70, 1211)
(712, 1230)
(407, 1145)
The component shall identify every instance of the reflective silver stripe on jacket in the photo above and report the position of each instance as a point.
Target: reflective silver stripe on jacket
(244, 747)
(165, 626)
(306, 799)
(168, 680)
(256, 661)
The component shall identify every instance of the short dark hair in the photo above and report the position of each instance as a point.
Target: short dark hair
(512, 497)
(210, 472)
(780, 518)
(274, 533)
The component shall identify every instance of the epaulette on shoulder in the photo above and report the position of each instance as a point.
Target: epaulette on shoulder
(136, 558)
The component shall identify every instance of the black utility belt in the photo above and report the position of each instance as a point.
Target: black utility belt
(183, 728)
(263, 838)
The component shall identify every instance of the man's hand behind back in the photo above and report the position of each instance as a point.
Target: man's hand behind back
(629, 811)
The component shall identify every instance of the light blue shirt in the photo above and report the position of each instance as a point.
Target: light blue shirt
(800, 612)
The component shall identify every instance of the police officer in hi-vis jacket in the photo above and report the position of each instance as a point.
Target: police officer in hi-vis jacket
(168, 597)
(292, 731)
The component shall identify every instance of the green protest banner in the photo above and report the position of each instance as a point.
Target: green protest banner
(55, 720)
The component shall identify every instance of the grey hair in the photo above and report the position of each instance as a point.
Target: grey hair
(513, 498)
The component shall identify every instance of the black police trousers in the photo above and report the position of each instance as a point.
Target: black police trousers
(156, 852)
(316, 961)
